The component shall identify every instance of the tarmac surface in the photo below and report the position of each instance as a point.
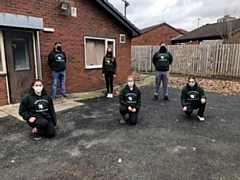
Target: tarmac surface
(90, 144)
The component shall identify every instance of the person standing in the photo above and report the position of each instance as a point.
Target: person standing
(130, 101)
(109, 66)
(161, 60)
(193, 97)
(36, 107)
(57, 63)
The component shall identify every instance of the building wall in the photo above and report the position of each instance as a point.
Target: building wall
(236, 38)
(70, 31)
(163, 33)
(3, 91)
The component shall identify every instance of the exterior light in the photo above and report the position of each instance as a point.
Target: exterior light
(64, 6)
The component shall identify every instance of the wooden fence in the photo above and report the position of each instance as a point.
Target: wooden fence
(203, 60)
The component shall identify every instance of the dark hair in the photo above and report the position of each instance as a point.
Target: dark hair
(57, 42)
(106, 56)
(31, 90)
(191, 77)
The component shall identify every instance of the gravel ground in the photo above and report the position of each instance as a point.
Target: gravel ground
(91, 144)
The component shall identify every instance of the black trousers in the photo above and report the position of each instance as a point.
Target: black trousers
(44, 125)
(196, 105)
(133, 116)
(109, 81)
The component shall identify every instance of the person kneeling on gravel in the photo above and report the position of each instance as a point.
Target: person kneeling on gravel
(193, 97)
(37, 109)
(130, 101)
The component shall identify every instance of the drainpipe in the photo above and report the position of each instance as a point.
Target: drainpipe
(39, 67)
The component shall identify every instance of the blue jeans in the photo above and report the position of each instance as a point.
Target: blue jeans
(55, 76)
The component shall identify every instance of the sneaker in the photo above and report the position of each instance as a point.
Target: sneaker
(166, 98)
(122, 120)
(65, 96)
(155, 97)
(37, 136)
(110, 95)
(54, 98)
(201, 118)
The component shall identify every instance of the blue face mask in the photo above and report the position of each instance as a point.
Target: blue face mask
(191, 84)
(130, 84)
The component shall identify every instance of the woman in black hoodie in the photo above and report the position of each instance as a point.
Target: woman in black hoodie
(193, 97)
(37, 109)
(130, 100)
(109, 71)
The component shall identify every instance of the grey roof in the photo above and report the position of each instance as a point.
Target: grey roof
(145, 30)
(212, 31)
(113, 12)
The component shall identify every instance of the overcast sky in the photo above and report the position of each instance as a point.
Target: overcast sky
(185, 14)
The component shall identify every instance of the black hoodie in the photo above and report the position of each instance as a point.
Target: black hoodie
(132, 98)
(57, 60)
(191, 94)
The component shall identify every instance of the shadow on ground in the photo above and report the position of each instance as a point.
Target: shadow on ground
(91, 144)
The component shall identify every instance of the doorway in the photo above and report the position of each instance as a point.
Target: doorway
(20, 63)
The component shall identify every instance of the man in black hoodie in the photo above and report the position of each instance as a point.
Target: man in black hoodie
(57, 63)
(193, 97)
(162, 59)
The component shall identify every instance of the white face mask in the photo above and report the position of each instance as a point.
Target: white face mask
(130, 84)
(38, 89)
(191, 84)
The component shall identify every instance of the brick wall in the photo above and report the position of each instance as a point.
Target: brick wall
(71, 31)
(162, 33)
(3, 91)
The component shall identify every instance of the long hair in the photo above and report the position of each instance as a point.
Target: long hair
(31, 90)
(106, 56)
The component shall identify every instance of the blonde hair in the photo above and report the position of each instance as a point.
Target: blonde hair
(131, 76)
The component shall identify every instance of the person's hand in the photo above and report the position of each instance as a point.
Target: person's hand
(103, 75)
(129, 108)
(203, 100)
(184, 108)
(114, 75)
(134, 110)
(32, 119)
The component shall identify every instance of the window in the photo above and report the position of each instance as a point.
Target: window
(95, 50)
(20, 54)
(122, 38)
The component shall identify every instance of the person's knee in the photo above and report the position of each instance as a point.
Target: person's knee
(50, 134)
(42, 124)
(133, 123)
(188, 112)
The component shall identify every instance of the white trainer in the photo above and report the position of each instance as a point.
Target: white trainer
(201, 118)
(110, 95)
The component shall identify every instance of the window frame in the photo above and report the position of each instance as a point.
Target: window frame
(105, 49)
(120, 38)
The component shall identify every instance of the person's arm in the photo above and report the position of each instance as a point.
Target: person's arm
(65, 57)
(154, 59)
(202, 93)
(170, 58)
(103, 65)
(23, 109)
(183, 98)
(139, 100)
(52, 112)
(50, 59)
(122, 98)
(114, 66)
